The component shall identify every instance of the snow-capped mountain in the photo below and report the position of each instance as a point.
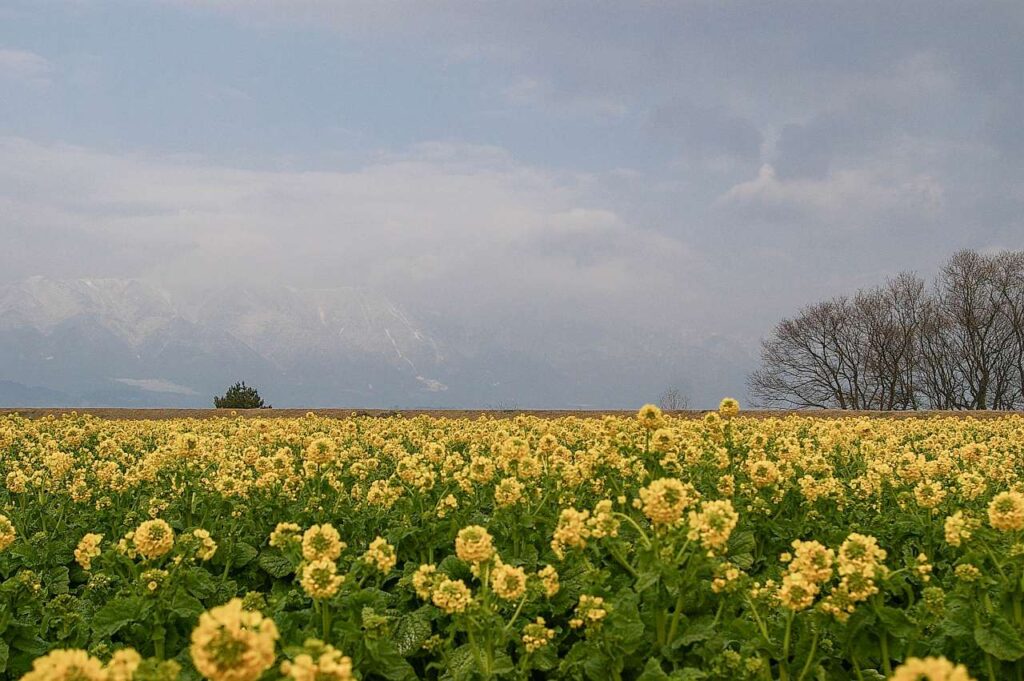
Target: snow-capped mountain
(119, 342)
(114, 340)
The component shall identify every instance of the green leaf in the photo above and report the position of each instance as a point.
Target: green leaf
(688, 674)
(741, 543)
(647, 579)
(460, 664)
(503, 664)
(56, 580)
(199, 582)
(117, 613)
(624, 622)
(411, 632)
(959, 620)
(544, 659)
(701, 629)
(33, 645)
(387, 662)
(5, 653)
(275, 564)
(242, 554)
(185, 605)
(897, 622)
(653, 671)
(999, 638)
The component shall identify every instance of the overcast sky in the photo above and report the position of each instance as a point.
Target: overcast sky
(705, 167)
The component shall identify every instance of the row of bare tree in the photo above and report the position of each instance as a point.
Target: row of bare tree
(956, 344)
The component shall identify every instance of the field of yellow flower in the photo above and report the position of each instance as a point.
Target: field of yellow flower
(647, 548)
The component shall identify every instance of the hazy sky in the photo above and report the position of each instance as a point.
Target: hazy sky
(701, 167)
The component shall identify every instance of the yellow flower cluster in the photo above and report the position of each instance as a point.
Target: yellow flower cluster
(860, 563)
(88, 548)
(207, 547)
(664, 500)
(233, 644)
(713, 524)
(548, 576)
(930, 669)
(474, 545)
(79, 665)
(66, 665)
(284, 534)
(322, 542)
(425, 580)
(572, 531)
(381, 555)
(153, 538)
(728, 407)
(319, 662)
(536, 635)
(957, 528)
(809, 568)
(1006, 512)
(650, 417)
(7, 532)
(320, 579)
(508, 582)
(451, 595)
(589, 612)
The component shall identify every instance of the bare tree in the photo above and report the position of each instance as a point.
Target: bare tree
(807, 361)
(889, 318)
(972, 341)
(1009, 284)
(673, 400)
(901, 345)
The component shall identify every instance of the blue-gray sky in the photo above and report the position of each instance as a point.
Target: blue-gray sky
(694, 169)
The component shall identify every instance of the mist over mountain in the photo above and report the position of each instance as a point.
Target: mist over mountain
(127, 342)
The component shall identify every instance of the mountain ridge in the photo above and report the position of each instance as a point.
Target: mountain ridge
(128, 342)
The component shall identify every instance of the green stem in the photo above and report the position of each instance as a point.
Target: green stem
(325, 621)
(784, 662)
(676, 614)
(519, 609)
(810, 657)
(643, 535)
(476, 653)
(158, 641)
(659, 623)
(990, 670)
(623, 562)
(886, 663)
(760, 622)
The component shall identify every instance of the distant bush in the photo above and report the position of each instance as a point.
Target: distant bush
(240, 396)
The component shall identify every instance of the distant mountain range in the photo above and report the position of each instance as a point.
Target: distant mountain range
(123, 342)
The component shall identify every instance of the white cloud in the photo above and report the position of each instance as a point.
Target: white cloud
(157, 385)
(466, 229)
(25, 67)
(843, 199)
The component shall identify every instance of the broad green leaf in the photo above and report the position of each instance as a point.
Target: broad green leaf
(185, 605)
(117, 613)
(653, 671)
(999, 638)
(410, 633)
(242, 554)
(275, 564)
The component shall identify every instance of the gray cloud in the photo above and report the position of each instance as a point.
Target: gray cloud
(705, 132)
(461, 229)
(690, 170)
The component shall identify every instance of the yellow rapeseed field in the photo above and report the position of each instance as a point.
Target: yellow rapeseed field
(647, 548)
